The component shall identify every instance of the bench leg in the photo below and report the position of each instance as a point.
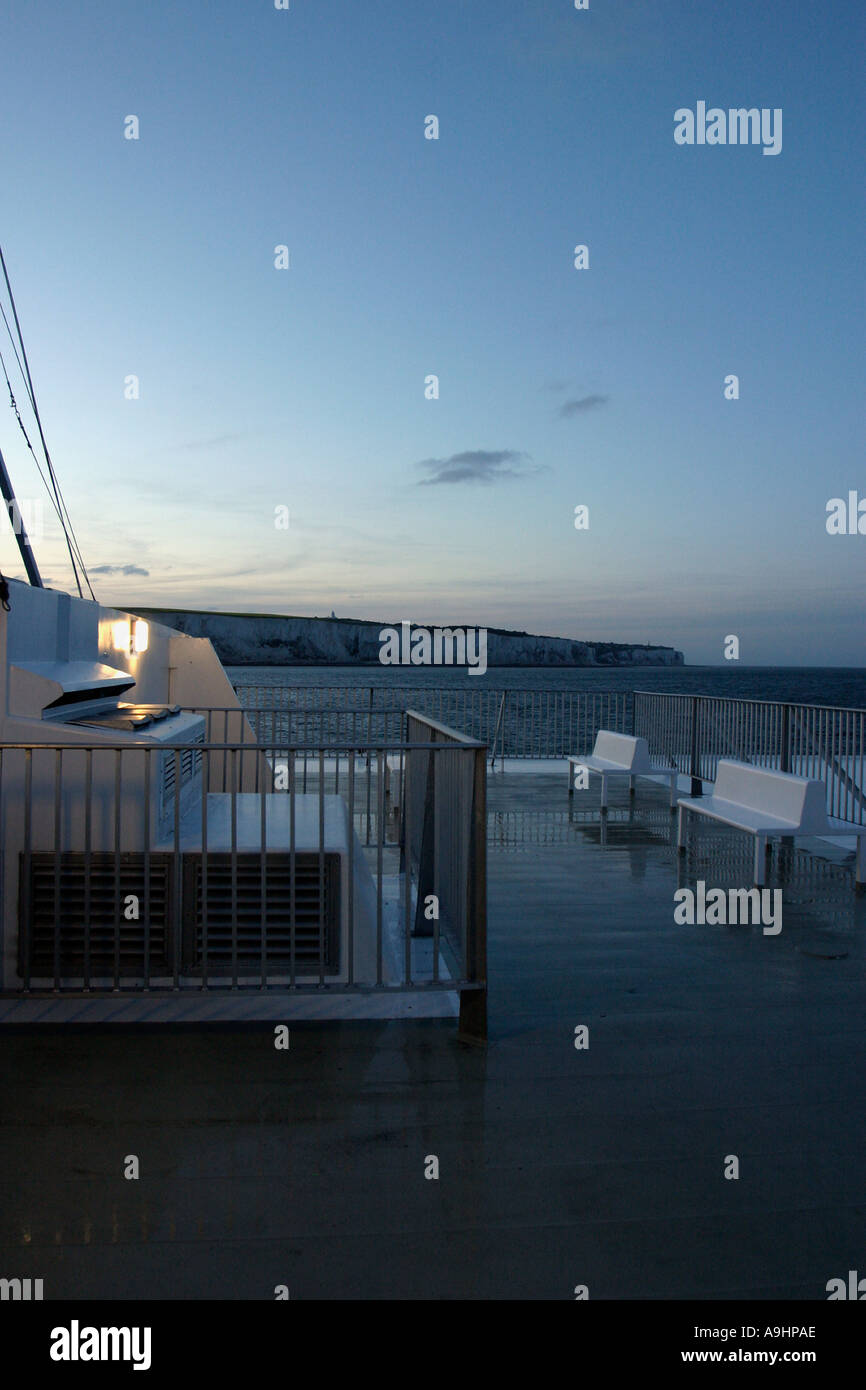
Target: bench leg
(571, 779)
(631, 786)
(674, 792)
(603, 792)
(681, 831)
(761, 847)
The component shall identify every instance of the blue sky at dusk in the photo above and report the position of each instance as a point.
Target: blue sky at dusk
(305, 387)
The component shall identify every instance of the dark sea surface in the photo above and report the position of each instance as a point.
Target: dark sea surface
(812, 685)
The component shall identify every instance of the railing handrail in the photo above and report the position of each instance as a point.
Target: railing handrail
(454, 734)
(284, 709)
(272, 745)
(748, 700)
(420, 689)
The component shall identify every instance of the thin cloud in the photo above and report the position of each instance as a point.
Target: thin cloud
(475, 466)
(120, 569)
(581, 403)
(215, 442)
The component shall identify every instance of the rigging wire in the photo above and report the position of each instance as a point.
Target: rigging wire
(15, 350)
(61, 506)
(14, 406)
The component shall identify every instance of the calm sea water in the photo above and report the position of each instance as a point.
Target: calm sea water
(819, 685)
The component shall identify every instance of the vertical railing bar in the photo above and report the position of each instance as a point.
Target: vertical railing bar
(263, 881)
(368, 771)
(234, 864)
(118, 779)
(437, 887)
(350, 773)
(28, 865)
(321, 866)
(169, 923)
(410, 762)
(88, 861)
(293, 864)
(205, 950)
(380, 815)
(58, 854)
(177, 865)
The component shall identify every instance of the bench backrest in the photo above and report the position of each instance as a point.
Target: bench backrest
(779, 794)
(622, 748)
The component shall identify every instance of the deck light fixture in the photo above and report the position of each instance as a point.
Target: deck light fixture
(130, 636)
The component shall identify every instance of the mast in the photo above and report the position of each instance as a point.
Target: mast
(21, 537)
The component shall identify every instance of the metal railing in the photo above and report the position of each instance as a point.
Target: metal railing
(281, 872)
(519, 723)
(277, 725)
(691, 731)
(445, 849)
(821, 742)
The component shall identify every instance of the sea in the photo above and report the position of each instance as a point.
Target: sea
(811, 685)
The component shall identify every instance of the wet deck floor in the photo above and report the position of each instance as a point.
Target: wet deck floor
(558, 1167)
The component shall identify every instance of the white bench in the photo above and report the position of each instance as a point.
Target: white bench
(768, 803)
(620, 755)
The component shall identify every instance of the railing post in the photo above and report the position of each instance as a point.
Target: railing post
(694, 759)
(427, 848)
(785, 739)
(472, 1023)
(500, 724)
(502, 734)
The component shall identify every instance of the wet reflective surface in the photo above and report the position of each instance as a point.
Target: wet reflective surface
(602, 1166)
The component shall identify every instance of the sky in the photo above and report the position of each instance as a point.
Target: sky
(306, 388)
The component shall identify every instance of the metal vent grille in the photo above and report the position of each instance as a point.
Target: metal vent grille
(58, 901)
(317, 913)
(188, 763)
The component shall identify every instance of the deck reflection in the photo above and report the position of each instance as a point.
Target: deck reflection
(558, 1166)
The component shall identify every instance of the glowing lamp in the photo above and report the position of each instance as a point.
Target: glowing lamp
(138, 637)
(130, 637)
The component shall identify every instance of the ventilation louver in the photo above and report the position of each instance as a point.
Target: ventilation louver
(87, 914)
(56, 903)
(262, 913)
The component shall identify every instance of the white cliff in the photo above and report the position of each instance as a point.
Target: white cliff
(242, 639)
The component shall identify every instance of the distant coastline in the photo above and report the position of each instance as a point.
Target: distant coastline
(271, 639)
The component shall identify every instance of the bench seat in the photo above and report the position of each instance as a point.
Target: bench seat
(741, 817)
(620, 755)
(767, 803)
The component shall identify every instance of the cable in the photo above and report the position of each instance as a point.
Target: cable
(15, 350)
(68, 530)
(14, 405)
